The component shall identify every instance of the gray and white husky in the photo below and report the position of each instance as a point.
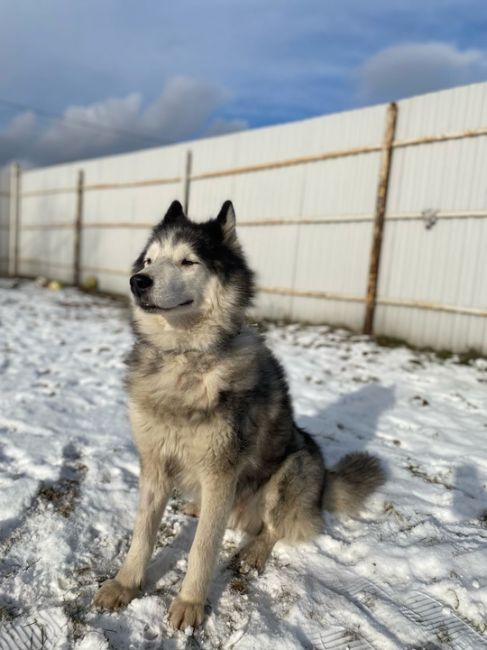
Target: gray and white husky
(211, 416)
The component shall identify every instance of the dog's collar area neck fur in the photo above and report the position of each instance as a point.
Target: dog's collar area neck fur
(221, 341)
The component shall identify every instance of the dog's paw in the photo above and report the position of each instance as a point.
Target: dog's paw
(183, 614)
(191, 509)
(252, 557)
(112, 595)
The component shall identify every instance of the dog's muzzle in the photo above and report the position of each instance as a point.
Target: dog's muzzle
(140, 283)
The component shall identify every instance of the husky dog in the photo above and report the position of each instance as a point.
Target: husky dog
(211, 416)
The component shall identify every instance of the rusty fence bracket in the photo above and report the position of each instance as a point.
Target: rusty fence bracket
(379, 217)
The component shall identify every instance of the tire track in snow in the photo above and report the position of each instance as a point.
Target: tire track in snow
(433, 624)
(41, 630)
(429, 616)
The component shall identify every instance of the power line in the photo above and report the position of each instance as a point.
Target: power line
(80, 123)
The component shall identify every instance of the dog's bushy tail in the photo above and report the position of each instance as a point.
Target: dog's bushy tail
(351, 481)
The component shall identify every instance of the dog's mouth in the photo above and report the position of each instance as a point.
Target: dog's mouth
(156, 309)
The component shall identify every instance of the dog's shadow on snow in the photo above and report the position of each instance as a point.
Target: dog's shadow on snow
(351, 422)
(469, 493)
(166, 557)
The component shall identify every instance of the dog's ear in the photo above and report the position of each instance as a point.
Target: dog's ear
(227, 221)
(175, 214)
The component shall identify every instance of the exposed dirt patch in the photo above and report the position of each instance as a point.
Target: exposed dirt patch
(63, 494)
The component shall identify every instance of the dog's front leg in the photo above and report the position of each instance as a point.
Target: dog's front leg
(154, 493)
(217, 497)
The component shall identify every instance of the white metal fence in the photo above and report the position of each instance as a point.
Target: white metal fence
(309, 198)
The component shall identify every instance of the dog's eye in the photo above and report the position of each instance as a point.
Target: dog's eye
(147, 261)
(187, 262)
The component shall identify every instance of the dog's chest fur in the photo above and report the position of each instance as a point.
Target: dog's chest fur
(179, 403)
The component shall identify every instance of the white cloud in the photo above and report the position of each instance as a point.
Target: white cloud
(221, 126)
(183, 110)
(184, 107)
(415, 68)
(16, 138)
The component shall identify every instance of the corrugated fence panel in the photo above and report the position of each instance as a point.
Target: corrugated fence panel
(294, 256)
(274, 194)
(209, 156)
(47, 215)
(444, 265)
(125, 197)
(332, 259)
(448, 111)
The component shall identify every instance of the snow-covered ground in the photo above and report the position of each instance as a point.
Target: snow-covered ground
(411, 571)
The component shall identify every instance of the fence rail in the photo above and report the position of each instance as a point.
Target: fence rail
(405, 214)
(412, 216)
(276, 164)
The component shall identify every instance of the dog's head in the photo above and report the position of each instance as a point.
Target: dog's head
(189, 272)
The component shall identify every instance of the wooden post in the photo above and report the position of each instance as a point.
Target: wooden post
(187, 180)
(78, 227)
(380, 211)
(14, 226)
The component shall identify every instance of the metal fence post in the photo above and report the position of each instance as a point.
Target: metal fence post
(14, 219)
(78, 227)
(379, 216)
(187, 180)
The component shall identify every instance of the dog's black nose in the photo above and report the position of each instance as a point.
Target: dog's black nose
(140, 283)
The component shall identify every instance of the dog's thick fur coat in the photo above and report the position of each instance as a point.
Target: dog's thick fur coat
(211, 416)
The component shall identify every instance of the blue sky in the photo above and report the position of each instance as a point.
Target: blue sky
(171, 71)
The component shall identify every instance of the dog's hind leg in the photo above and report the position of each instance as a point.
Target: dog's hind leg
(255, 554)
(154, 492)
(291, 508)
